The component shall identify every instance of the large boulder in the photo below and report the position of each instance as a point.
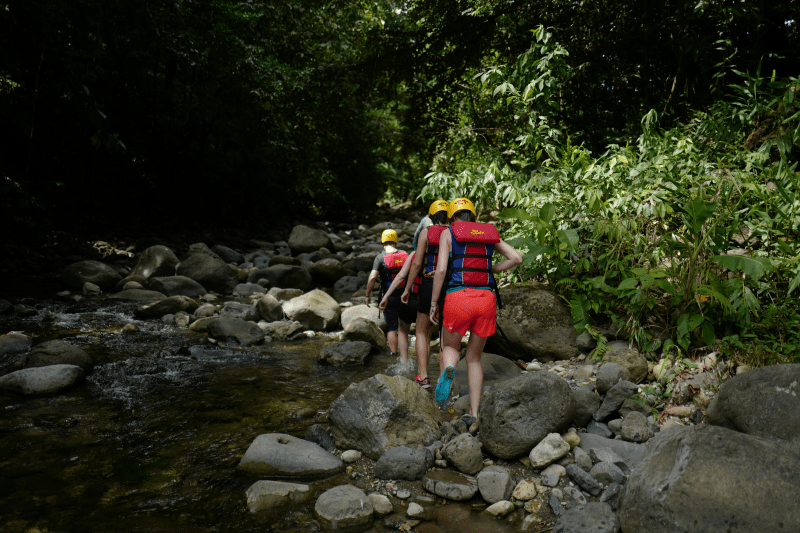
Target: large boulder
(56, 353)
(712, 479)
(155, 261)
(517, 414)
(632, 360)
(383, 412)
(349, 284)
(592, 517)
(278, 454)
(281, 329)
(534, 323)
(464, 452)
(345, 353)
(167, 306)
(270, 308)
(283, 276)
(373, 314)
(305, 239)
(102, 275)
(762, 402)
(344, 509)
(362, 329)
(327, 271)
(496, 369)
(208, 270)
(177, 286)
(50, 379)
(235, 330)
(316, 310)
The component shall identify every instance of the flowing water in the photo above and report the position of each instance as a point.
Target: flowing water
(151, 442)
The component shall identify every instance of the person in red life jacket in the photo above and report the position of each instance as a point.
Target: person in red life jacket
(424, 263)
(407, 312)
(470, 302)
(386, 266)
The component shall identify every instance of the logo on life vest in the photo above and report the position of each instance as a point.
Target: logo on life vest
(477, 232)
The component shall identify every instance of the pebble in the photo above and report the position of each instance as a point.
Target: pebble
(415, 510)
(533, 367)
(351, 456)
(130, 328)
(524, 491)
(403, 494)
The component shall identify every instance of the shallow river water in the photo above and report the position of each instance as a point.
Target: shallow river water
(151, 442)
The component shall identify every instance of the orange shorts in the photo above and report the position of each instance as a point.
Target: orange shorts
(470, 309)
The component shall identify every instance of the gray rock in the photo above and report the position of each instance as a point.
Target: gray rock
(266, 495)
(363, 261)
(228, 255)
(345, 353)
(496, 368)
(348, 284)
(282, 260)
(240, 310)
(277, 454)
(630, 452)
(598, 428)
(327, 272)
(247, 289)
(464, 453)
(763, 402)
(611, 495)
(270, 308)
(583, 373)
(582, 458)
(556, 506)
(609, 375)
(43, 380)
(102, 275)
(615, 426)
(495, 484)
(90, 289)
(282, 329)
(167, 306)
(607, 473)
(383, 412)
(206, 310)
(141, 280)
(583, 479)
(402, 462)
(305, 239)
(14, 343)
(362, 329)
(283, 295)
(549, 449)
(182, 319)
(711, 479)
(450, 485)
(631, 359)
(594, 517)
(370, 313)
(550, 479)
(585, 342)
(607, 455)
(284, 276)
(155, 261)
(517, 414)
(56, 353)
(315, 310)
(235, 330)
(636, 428)
(345, 509)
(177, 286)
(132, 285)
(209, 271)
(587, 402)
(319, 436)
(631, 405)
(575, 495)
(141, 295)
(614, 399)
(381, 505)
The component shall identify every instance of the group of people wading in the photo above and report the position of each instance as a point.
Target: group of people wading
(448, 281)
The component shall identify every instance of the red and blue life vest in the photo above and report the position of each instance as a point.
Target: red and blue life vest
(392, 263)
(432, 253)
(471, 259)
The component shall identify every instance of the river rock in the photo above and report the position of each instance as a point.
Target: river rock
(344, 509)
(56, 352)
(381, 505)
(496, 484)
(266, 495)
(235, 330)
(90, 289)
(607, 473)
(283, 295)
(587, 402)
(712, 479)
(206, 310)
(631, 359)
(517, 414)
(284, 276)
(464, 453)
(121, 285)
(614, 399)
(631, 453)
(348, 284)
(228, 255)
(209, 271)
(496, 368)
(6, 307)
(305, 239)
(450, 485)
(327, 272)
(383, 412)
(240, 310)
(282, 260)
(281, 329)
(583, 479)
(607, 455)
(14, 343)
(500, 509)
(402, 462)
(132, 285)
(524, 491)
(270, 308)
(609, 374)
(177, 286)
(167, 306)
(593, 517)
(364, 260)
(141, 295)
(763, 402)
(247, 289)
(315, 310)
(370, 313)
(345, 353)
(362, 329)
(277, 454)
(102, 275)
(534, 323)
(155, 261)
(201, 325)
(636, 428)
(319, 435)
(582, 458)
(548, 450)
(50, 379)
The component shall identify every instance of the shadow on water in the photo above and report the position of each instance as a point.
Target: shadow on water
(152, 441)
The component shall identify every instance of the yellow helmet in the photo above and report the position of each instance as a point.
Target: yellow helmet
(388, 235)
(459, 204)
(438, 205)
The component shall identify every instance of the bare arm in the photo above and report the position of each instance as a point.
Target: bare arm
(512, 257)
(396, 281)
(438, 277)
(416, 265)
(370, 283)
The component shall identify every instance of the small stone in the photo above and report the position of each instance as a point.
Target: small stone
(582, 459)
(615, 426)
(524, 491)
(571, 437)
(525, 461)
(441, 463)
(403, 494)
(599, 428)
(607, 473)
(611, 495)
(556, 506)
(530, 522)
(533, 506)
(550, 479)
(549, 449)
(636, 428)
(90, 289)
(351, 456)
(500, 509)
(415, 510)
(584, 372)
(583, 479)
(575, 494)
(130, 328)
(533, 367)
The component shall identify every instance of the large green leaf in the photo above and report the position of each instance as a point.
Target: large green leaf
(696, 212)
(686, 324)
(569, 237)
(754, 267)
(547, 212)
(513, 213)
(579, 305)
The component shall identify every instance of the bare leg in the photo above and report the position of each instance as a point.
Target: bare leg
(402, 341)
(450, 344)
(391, 338)
(475, 372)
(423, 344)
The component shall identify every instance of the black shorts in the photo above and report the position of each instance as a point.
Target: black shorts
(407, 313)
(425, 293)
(391, 312)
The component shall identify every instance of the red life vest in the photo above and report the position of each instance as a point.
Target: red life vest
(417, 283)
(432, 253)
(471, 259)
(392, 263)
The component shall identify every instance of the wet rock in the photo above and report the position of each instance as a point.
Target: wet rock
(583, 479)
(548, 450)
(495, 484)
(381, 505)
(266, 495)
(56, 353)
(315, 310)
(587, 402)
(102, 275)
(132, 285)
(362, 329)
(450, 485)
(50, 379)
(636, 428)
(631, 359)
(24, 311)
(284, 276)
(517, 414)
(167, 306)
(370, 313)
(130, 328)
(182, 319)
(630, 452)
(90, 289)
(177, 286)
(345, 353)
(344, 509)
(282, 260)
(277, 454)
(417, 511)
(496, 368)
(535, 324)
(208, 270)
(594, 517)
(500, 509)
(319, 436)
(155, 261)
(201, 325)
(282, 329)
(305, 239)
(383, 412)
(614, 399)
(240, 310)
(763, 402)
(14, 343)
(270, 308)
(283, 295)
(206, 310)
(327, 272)
(228, 255)
(609, 375)
(168, 319)
(141, 295)
(402, 462)
(235, 330)
(712, 479)
(464, 453)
